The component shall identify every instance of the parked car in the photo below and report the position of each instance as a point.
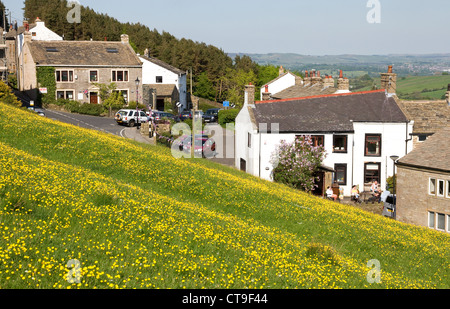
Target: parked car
(389, 207)
(203, 146)
(211, 115)
(37, 110)
(129, 117)
(158, 115)
(187, 114)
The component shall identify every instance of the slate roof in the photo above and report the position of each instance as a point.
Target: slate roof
(163, 65)
(329, 113)
(433, 154)
(163, 90)
(83, 53)
(428, 116)
(298, 91)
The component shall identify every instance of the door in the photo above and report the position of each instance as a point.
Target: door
(243, 165)
(93, 97)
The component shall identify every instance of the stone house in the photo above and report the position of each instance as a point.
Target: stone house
(423, 185)
(429, 117)
(79, 65)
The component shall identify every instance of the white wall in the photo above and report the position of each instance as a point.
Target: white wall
(151, 70)
(393, 138)
(280, 84)
(43, 33)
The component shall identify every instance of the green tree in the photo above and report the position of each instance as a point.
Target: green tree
(7, 96)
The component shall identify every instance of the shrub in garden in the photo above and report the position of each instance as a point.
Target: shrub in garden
(295, 163)
(228, 116)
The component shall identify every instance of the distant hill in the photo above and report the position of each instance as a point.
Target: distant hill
(368, 64)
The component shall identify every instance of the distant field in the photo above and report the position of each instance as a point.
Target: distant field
(419, 87)
(432, 87)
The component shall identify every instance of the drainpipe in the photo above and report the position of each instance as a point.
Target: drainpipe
(407, 139)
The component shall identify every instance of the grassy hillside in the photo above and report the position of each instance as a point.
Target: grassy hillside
(418, 87)
(136, 217)
(423, 87)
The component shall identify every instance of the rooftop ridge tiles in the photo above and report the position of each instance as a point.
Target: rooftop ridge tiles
(320, 96)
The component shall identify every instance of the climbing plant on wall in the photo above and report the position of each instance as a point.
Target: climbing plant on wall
(46, 79)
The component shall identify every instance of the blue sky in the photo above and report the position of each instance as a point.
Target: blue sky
(319, 27)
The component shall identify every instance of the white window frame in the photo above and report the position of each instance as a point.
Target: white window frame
(431, 214)
(437, 222)
(439, 181)
(123, 81)
(448, 189)
(127, 99)
(429, 186)
(448, 223)
(68, 76)
(65, 93)
(98, 76)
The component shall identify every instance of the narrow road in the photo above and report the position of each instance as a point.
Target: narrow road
(104, 124)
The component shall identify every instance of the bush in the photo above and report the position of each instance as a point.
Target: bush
(72, 106)
(6, 95)
(227, 116)
(91, 109)
(132, 105)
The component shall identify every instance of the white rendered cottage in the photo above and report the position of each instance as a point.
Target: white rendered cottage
(360, 131)
(165, 80)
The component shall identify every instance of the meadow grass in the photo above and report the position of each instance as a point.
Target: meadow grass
(136, 217)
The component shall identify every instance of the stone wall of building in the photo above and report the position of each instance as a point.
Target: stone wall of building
(413, 198)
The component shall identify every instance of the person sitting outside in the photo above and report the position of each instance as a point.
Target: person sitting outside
(375, 191)
(330, 194)
(355, 194)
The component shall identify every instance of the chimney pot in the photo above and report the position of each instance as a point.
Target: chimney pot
(390, 69)
(341, 74)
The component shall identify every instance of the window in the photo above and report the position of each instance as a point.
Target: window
(440, 222)
(93, 76)
(318, 140)
(448, 188)
(373, 145)
(65, 94)
(64, 76)
(422, 137)
(431, 219)
(159, 79)
(341, 174)
(124, 94)
(372, 172)
(119, 76)
(440, 188)
(340, 143)
(432, 186)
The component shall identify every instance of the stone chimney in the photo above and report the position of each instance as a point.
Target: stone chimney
(249, 96)
(27, 37)
(389, 81)
(266, 94)
(147, 52)
(343, 84)
(125, 39)
(328, 81)
(316, 79)
(307, 79)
